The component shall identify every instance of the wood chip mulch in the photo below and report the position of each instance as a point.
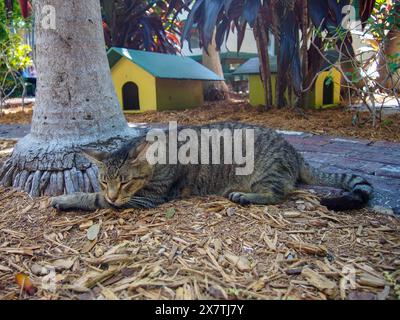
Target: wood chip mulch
(200, 248)
(16, 115)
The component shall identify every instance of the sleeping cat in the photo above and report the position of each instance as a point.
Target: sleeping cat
(128, 180)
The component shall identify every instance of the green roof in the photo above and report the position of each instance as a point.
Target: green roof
(252, 66)
(228, 55)
(164, 66)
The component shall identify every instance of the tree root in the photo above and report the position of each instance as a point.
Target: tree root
(50, 183)
(52, 168)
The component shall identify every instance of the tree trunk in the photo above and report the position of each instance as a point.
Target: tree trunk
(76, 105)
(304, 51)
(214, 90)
(387, 79)
(261, 37)
(281, 77)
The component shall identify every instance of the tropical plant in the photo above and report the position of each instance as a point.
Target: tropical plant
(285, 18)
(14, 57)
(10, 18)
(14, 53)
(374, 74)
(385, 25)
(26, 7)
(143, 25)
(138, 24)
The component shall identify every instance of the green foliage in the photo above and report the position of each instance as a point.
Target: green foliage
(384, 18)
(329, 79)
(386, 123)
(144, 25)
(9, 19)
(391, 279)
(17, 53)
(170, 213)
(14, 57)
(14, 53)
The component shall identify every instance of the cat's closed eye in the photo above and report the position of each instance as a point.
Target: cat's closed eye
(124, 184)
(129, 182)
(140, 177)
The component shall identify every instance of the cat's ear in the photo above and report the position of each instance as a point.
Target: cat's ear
(138, 155)
(95, 156)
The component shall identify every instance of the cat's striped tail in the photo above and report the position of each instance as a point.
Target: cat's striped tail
(359, 190)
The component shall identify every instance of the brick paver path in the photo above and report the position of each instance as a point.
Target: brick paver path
(378, 162)
(14, 131)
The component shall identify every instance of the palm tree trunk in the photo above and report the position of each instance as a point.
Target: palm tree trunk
(75, 106)
(214, 90)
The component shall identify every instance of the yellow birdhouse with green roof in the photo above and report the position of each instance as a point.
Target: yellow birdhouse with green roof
(324, 93)
(146, 81)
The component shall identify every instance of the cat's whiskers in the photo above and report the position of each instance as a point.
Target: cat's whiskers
(141, 201)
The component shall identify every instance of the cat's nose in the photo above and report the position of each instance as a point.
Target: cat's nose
(112, 196)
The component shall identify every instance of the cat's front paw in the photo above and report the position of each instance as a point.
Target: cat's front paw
(240, 198)
(62, 203)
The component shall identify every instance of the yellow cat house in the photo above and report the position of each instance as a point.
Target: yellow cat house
(146, 81)
(324, 93)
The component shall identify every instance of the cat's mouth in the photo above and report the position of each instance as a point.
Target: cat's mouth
(117, 203)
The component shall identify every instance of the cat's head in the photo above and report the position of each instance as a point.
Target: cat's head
(122, 173)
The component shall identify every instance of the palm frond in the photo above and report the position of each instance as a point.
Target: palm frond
(142, 25)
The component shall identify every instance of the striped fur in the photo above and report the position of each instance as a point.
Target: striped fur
(128, 181)
(359, 190)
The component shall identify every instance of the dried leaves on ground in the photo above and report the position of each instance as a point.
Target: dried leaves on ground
(208, 249)
(336, 121)
(16, 115)
(203, 248)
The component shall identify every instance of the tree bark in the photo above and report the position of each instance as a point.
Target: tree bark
(214, 90)
(76, 105)
(390, 80)
(304, 50)
(281, 77)
(262, 39)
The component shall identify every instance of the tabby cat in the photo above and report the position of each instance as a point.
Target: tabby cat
(128, 180)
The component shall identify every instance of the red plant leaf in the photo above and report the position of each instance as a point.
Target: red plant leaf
(26, 8)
